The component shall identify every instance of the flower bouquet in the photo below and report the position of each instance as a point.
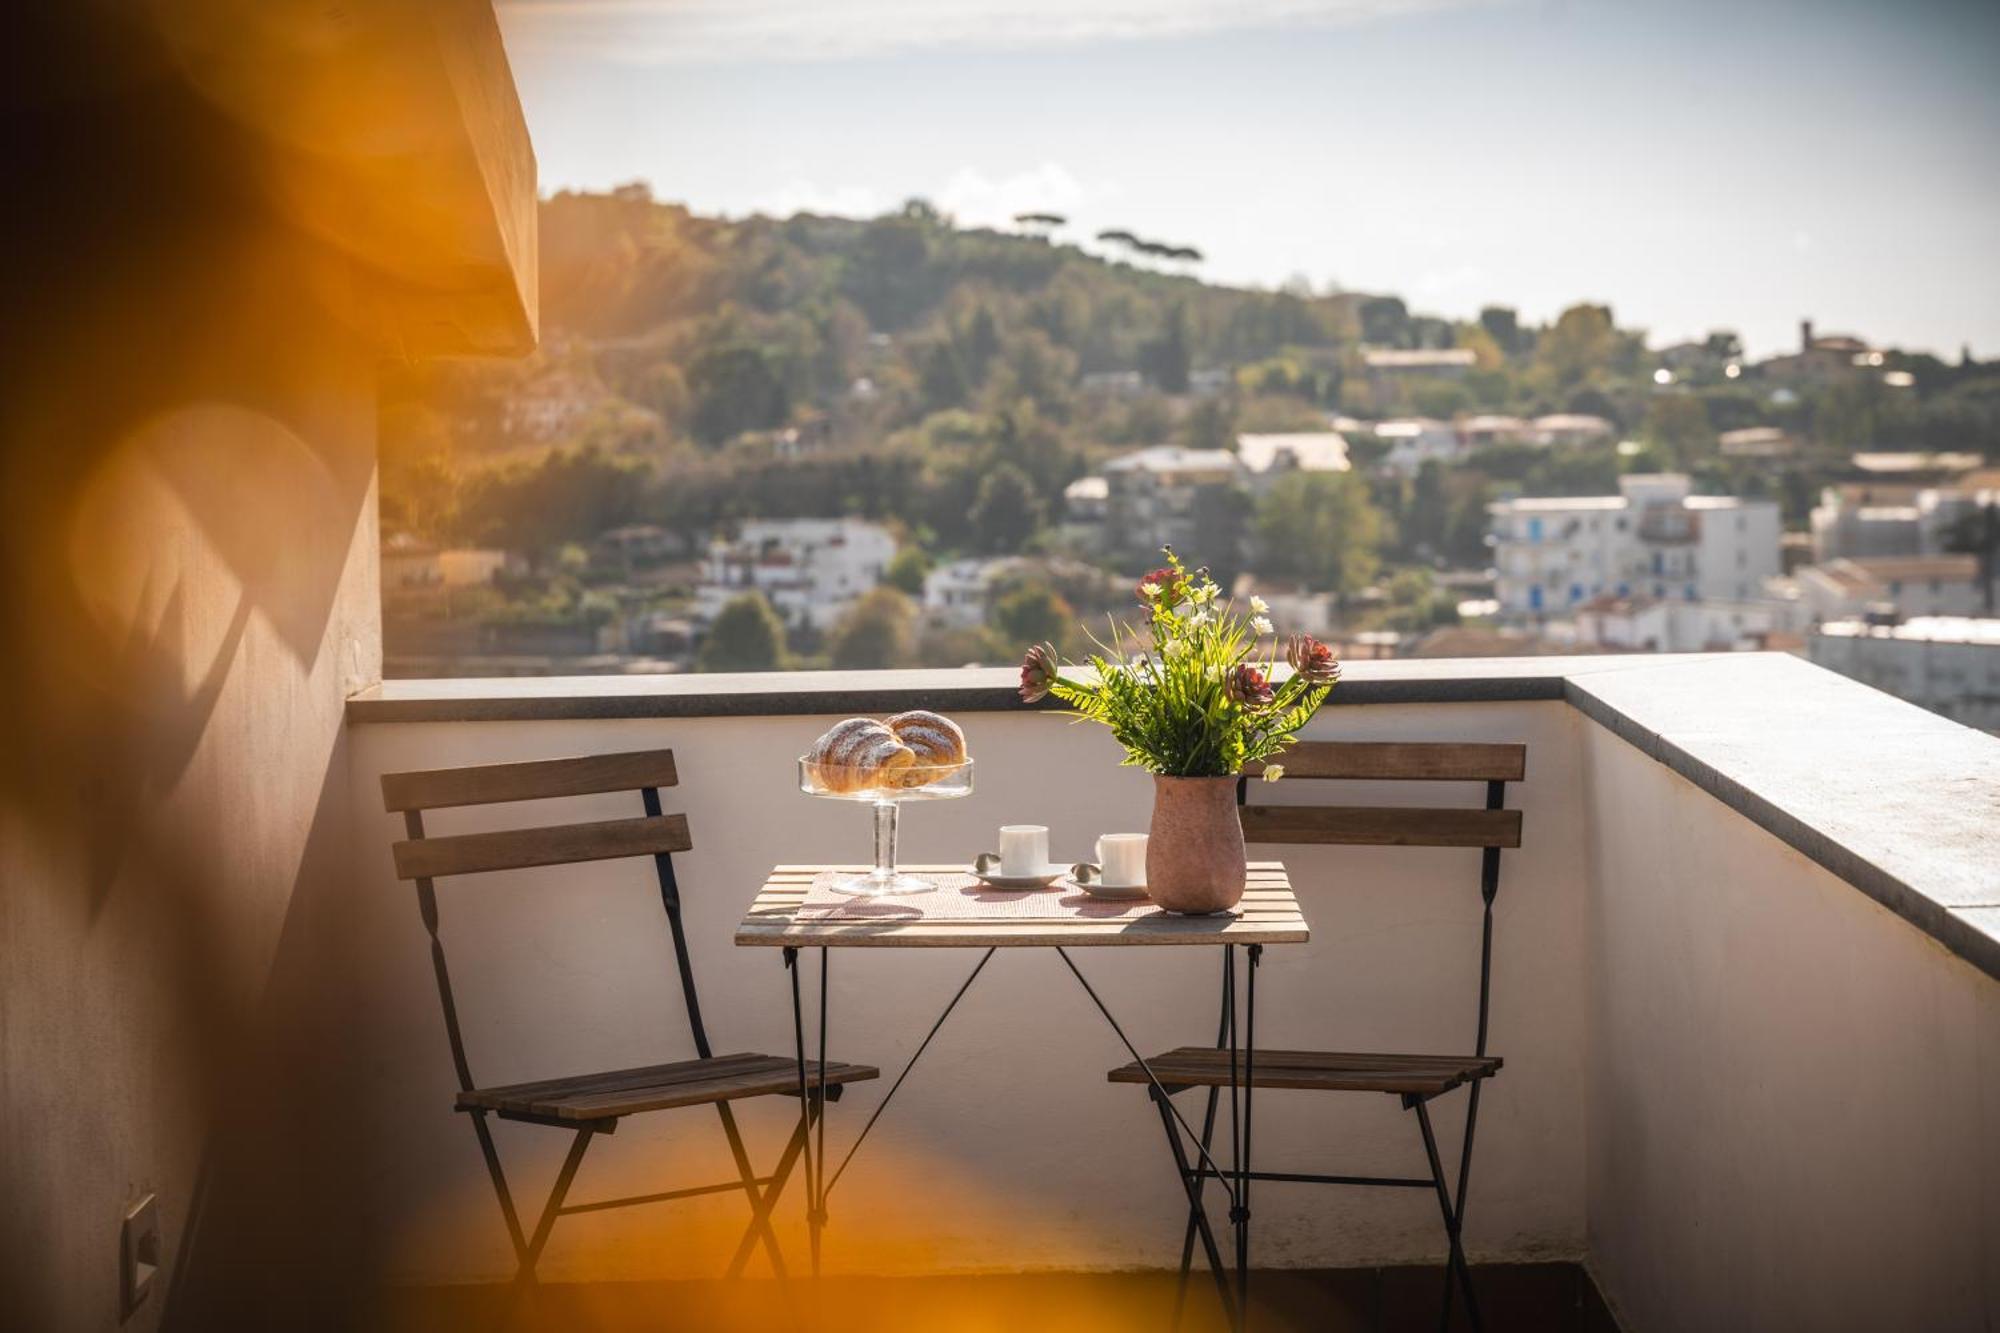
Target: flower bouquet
(1192, 701)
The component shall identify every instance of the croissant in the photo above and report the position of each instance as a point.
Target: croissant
(858, 754)
(938, 743)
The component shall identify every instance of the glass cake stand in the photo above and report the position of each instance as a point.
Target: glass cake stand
(834, 782)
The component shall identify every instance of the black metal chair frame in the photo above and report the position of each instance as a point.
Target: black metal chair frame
(1451, 1199)
(762, 1192)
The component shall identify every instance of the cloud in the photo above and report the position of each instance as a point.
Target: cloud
(977, 201)
(707, 32)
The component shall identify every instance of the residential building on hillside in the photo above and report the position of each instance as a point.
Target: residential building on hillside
(960, 593)
(1295, 608)
(1113, 383)
(1820, 357)
(810, 569)
(1476, 432)
(1085, 499)
(1654, 538)
(1913, 585)
(1387, 365)
(1856, 519)
(1757, 442)
(552, 406)
(1663, 625)
(1570, 428)
(1911, 467)
(1415, 441)
(1948, 664)
(1152, 496)
(410, 564)
(1267, 457)
(641, 543)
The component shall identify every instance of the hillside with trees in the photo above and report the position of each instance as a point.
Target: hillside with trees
(950, 383)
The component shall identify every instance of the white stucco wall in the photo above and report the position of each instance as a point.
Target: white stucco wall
(1794, 1095)
(1006, 1149)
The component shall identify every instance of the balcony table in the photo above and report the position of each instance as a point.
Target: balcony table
(796, 910)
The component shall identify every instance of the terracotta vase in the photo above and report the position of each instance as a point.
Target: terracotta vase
(1194, 851)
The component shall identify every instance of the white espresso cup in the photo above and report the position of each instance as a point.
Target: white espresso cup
(1122, 857)
(1024, 850)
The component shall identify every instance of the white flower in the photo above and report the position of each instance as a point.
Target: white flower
(1198, 618)
(1262, 624)
(1149, 590)
(1272, 772)
(1203, 593)
(1259, 607)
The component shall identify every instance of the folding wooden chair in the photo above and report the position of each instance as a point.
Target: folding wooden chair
(1414, 1079)
(591, 1104)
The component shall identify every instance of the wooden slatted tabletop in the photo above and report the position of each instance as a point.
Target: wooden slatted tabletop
(1268, 914)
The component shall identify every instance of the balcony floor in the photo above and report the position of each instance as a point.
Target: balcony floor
(1532, 1298)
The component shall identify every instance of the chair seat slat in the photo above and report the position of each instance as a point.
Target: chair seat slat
(555, 844)
(534, 780)
(1381, 826)
(619, 1093)
(1317, 1071)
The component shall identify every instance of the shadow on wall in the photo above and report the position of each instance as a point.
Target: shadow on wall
(186, 515)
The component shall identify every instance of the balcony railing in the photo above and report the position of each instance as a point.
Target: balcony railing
(1745, 988)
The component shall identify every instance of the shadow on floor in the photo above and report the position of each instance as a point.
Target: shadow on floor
(1532, 1298)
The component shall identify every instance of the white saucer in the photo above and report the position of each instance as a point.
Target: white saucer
(986, 868)
(1086, 876)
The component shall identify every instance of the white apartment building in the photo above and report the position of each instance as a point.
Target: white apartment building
(1268, 457)
(1151, 495)
(1149, 498)
(810, 569)
(1948, 664)
(1914, 585)
(1660, 625)
(1570, 428)
(1653, 539)
(1886, 518)
(1415, 441)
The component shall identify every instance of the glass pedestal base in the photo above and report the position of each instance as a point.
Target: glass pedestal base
(876, 884)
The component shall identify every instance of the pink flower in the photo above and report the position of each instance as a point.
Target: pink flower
(1038, 672)
(1248, 686)
(1312, 660)
(1168, 585)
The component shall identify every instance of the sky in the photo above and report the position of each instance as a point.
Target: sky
(1695, 164)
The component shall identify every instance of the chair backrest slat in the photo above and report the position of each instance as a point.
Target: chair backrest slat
(556, 844)
(538, 779)
(1381, 826)
(1413, 761)
(1490, 828)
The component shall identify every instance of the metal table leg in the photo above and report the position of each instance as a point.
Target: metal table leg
(1235, 1181)
(810, 1137)
(1240, 1214)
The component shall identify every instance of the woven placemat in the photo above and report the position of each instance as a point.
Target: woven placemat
(962, 897)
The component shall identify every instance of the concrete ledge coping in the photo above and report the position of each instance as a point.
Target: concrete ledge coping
(1899, 802)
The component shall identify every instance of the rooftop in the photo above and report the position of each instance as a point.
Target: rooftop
(1922, 629)
(1173, 458)
(1314, 451)
(1860, 572)
(1442, 358)
(1889, 464)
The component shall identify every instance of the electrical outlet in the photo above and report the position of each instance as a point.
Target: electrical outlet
(139, 1250)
